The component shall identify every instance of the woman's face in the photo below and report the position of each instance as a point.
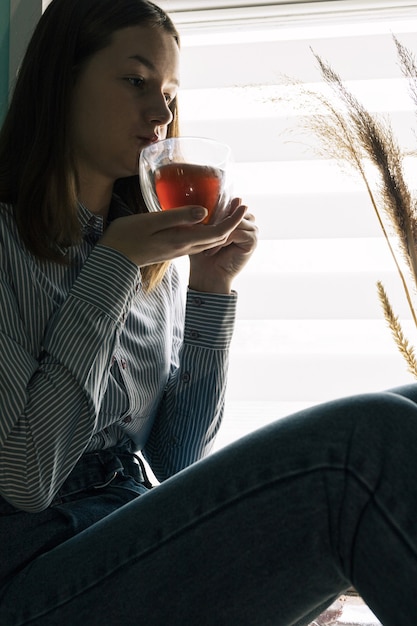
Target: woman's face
(120, 103)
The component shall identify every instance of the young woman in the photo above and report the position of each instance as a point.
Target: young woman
(101, 361)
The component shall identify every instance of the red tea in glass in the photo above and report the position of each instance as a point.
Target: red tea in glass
(182, 184)
(183, 171)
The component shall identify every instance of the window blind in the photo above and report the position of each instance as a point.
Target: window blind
(310, 327)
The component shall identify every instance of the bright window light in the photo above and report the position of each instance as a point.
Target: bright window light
(283, 100)
(310, 326)
(291, 32)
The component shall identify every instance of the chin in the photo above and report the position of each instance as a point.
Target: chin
(130, 170)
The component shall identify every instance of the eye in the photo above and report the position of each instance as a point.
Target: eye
(135, 81)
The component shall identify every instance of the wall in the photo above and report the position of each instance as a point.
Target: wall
(4, 55)
(24, 14)
(17, 20)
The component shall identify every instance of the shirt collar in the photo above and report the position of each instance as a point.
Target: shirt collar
(92, 225)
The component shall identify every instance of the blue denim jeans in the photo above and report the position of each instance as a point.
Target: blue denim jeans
(267, 531)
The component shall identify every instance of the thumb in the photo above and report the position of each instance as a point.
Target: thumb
(184, 215)
(198, 213)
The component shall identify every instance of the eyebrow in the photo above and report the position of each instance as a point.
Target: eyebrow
(147, 63)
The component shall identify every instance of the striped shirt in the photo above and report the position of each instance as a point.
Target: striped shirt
(90, 360)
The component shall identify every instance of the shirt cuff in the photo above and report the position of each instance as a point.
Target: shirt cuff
(209, 319)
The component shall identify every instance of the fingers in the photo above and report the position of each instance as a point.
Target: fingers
(245, 222)
(244, 235)
(181, 216)
(189, 215)
(182, 230)
(186, 224)
(250, 217)
(154, 237)
(237, 202)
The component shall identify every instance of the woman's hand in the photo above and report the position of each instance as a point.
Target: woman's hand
(214, 269)
(149, 238)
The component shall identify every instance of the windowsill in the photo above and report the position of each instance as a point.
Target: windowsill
(348, 610)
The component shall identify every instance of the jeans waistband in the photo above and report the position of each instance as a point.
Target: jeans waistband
(96, 470)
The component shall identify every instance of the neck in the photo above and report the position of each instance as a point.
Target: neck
(96, 198)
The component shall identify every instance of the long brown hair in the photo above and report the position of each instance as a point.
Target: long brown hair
(37, 170)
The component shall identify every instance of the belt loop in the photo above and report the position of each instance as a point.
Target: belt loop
(106, 484)
(112, 466)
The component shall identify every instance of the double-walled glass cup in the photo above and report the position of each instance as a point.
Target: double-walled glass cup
(183, 171)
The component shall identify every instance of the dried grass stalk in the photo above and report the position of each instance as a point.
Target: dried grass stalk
(349, 132)
(403, 345)
(374, 139)
(408, 67)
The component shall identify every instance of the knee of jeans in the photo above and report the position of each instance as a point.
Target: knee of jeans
(374, 416)
(391, 415)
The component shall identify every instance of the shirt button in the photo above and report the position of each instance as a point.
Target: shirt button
(186, 377)
(198, 301)
(127, 419)
(194, 334)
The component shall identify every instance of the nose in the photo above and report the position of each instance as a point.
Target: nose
(159, 112)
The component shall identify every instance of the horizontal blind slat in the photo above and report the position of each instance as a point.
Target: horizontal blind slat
(305, 215)
(266, 62)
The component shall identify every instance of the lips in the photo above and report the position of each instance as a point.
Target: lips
(149, 139)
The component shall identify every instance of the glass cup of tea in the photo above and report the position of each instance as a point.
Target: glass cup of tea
(183, 171)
